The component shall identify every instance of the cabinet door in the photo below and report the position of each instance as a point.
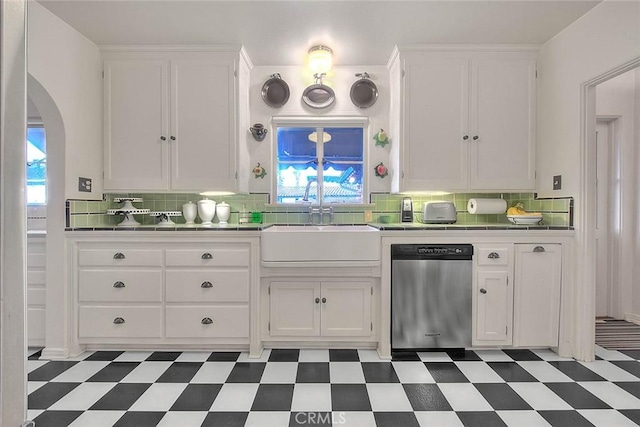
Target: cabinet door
(538, 270)
(494, 302)
(202, 136)
(346, 309)
(294, 308)
(503, 124)
(136, 107)
(435, 123)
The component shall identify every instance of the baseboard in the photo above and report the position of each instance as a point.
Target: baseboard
(54, 353)
(632, 317)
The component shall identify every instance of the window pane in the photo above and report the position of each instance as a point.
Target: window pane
(36, 165)
(343, 163)
(296, 163)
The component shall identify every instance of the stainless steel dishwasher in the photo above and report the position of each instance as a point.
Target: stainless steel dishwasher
(431, 296)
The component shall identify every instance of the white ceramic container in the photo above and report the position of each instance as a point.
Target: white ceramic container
(206, 211)
(189, 212)
(223, 210)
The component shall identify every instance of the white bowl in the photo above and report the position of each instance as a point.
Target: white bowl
(524, 219)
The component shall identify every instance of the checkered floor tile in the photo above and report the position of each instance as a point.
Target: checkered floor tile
(335, 388)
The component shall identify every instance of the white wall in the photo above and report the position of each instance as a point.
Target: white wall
(616, 98)
(68, 66)
(636, 190)
(604, 38)
(340, 80)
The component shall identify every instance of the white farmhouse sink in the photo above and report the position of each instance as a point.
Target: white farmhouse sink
(311, 243)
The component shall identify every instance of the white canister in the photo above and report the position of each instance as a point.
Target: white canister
(223, 210)
(206, 210)
(189, 212)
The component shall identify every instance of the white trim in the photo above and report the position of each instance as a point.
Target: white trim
(467, 48)
(632, 317)
(171, 48)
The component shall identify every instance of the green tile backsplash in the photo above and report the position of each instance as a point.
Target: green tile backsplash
(93, 213)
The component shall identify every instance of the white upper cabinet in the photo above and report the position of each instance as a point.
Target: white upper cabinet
(171, 120)
(463, 120)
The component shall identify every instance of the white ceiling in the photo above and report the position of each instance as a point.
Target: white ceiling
(360, 32)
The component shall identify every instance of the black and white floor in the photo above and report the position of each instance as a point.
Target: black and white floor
(350, 388)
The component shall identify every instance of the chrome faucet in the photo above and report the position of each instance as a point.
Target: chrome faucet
(313, 211)
(329, 211)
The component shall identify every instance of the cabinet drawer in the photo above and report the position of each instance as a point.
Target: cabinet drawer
(120, 285)
(120, 257)
(493, 256)
(193, 321)
(207, 286)
(120, 322)
(208, 257)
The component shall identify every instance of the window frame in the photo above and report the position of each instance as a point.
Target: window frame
(320, 122)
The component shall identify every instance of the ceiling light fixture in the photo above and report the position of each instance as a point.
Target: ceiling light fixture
(320, 59)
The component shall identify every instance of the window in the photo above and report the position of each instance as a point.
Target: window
(36, 165)
(317, 165)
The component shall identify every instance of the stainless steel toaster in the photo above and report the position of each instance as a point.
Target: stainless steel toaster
(439, 212)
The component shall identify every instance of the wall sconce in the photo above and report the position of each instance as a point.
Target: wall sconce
(320, 59)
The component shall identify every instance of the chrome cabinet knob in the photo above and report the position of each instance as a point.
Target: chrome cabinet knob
(539, 249)
(483, 291)
(173, 138)
(464, 138)
(118, 255)
(118, 284)
(206, 321)
(475, 137)
(493, 255)
(206, 285)
(324, 300)
(317, 300)
(118, 321)
(206, 255)
(163, 138)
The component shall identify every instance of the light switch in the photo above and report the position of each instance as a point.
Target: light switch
(557, 182)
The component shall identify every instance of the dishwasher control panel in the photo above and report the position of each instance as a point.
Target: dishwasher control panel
(435, 251)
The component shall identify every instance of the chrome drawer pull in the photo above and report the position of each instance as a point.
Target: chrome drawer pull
(118, 285)
(206, 321)
(118, 321)
(483, 291)
(206, 285)
(118, 255)
(539, 249)
(493, 255)
(206, 255)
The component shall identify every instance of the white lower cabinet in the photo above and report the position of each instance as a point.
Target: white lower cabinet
(493, 294)
(36, 290)
(301, 308)
(517, 295)
(538, 276)
(137, 292)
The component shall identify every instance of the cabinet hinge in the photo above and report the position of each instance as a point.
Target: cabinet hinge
(269, 290)
(235, 73)
(535, 174)
(506, 330)
(507, 280)
(402, 73)
(236, 174)
(103, 74)
(371, 326)
(371, 290)
(269, 326)
(536, 74)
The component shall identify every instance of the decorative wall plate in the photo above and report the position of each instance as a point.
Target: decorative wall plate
(275, 91)
(364, 92)
(318, 96)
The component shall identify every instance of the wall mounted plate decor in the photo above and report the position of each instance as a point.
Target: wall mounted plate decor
(275, 91)
(318, 95)
(258, 171)
(381, 170)
(364, 92)
(381, 138)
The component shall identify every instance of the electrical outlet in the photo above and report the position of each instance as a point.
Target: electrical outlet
(368, 216)
(557, 182)
(84, 185)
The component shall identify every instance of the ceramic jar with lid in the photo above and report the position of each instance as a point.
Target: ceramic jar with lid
(206, 210)
(223, 210)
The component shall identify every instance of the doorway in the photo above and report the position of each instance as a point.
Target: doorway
(612, 172)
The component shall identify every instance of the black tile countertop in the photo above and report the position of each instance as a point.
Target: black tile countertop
(417, 226)
(379, 226)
